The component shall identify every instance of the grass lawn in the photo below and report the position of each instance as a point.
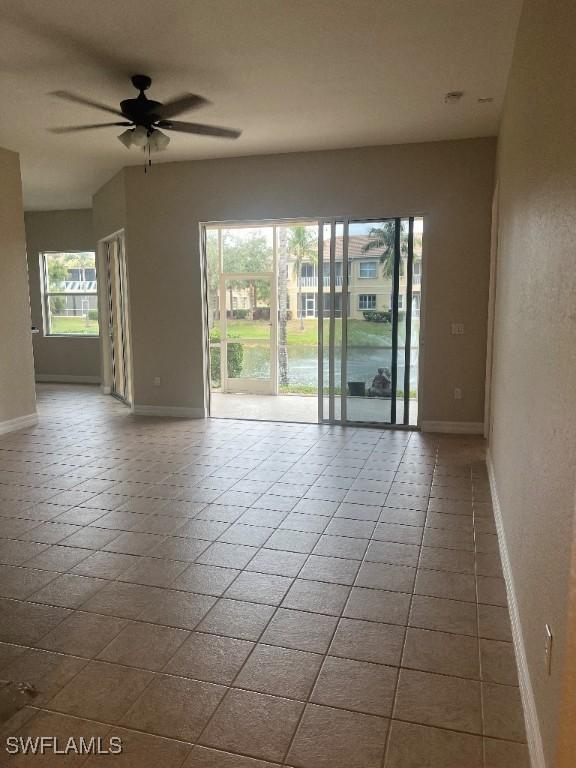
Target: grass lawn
(361, 333)
(73, 325)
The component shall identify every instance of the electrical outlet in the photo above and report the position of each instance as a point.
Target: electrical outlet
(548, 649)
(457, 393)
(156, 381)
(457, 329)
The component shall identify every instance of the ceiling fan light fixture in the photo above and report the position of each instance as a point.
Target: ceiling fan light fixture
(158, 141)
(126, 137)
(139, 136)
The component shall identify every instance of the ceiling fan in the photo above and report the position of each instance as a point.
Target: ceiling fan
(144, 117)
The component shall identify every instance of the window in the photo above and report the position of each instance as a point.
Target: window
(368, 269)
(70, 294)
(367, 301)
(307, 270)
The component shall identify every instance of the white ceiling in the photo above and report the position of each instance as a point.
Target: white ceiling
(293, 74)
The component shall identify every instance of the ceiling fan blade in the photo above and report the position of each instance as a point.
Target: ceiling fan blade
(75, 99)
(181, 104)
(199, 128)
(74, 128)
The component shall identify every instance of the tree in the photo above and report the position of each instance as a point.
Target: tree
(383, 238)
(302, 247)
(248, 254)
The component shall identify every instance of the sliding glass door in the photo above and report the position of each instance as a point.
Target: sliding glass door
(369, 306)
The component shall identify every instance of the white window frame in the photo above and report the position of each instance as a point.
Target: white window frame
(370, 264)
(366, 296)
(47, 294)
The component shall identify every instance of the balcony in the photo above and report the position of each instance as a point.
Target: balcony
(312, 282)
(78, 286)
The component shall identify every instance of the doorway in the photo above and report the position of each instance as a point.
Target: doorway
(120, 371)
(315, 320)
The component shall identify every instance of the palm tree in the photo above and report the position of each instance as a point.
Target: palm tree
(303, 247)
(383, 238)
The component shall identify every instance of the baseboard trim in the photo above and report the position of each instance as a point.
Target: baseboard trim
(454, 427)
(11, 425)
(177, 412)
(63, 378)
(533, 735)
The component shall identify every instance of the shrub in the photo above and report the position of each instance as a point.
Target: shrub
(235, 362)
(92, 314)
(240, 314)
(377, 317)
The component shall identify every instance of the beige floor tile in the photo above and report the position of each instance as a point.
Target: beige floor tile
(356, 685)
(498, 662)
(440, 559)
(61, 727)
(393, 553)
(20, 552)
(47, 672)
(334, 738)
(174, 707)
(452, 586)
(335, 570)
(441, 652)
(180, 548)
(68, 590)
(443, 615)
(277, 563)
(317, 597)
(205, 579)
(26, 623)
(122, 599)
(204, 757)
(419, 746)
(280, 671)
(58, 558)
(210, 657)
(494, 622)
(82, 634)
(505, 754)
(106, 565)
(402, 534)
(368, 641)
(184, 610)
(227, 555)
(341, 546)
(140, 750)
(300, 630)
(398, 578)
(439, 700)
(503, 714)
(153, 572)
(102, 692)
(20, 583)
(236, 618)
(491, 591)
(250, 535)
(147, 646)
(253, 724)
(259, 588)
(378, 605)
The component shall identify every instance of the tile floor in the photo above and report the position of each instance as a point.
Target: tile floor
(228, 594)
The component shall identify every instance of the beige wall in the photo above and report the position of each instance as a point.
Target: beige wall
(70, 358)
(533, 443)
(17, 396)
(449, 182)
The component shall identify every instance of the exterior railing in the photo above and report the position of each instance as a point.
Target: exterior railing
(312, 282)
